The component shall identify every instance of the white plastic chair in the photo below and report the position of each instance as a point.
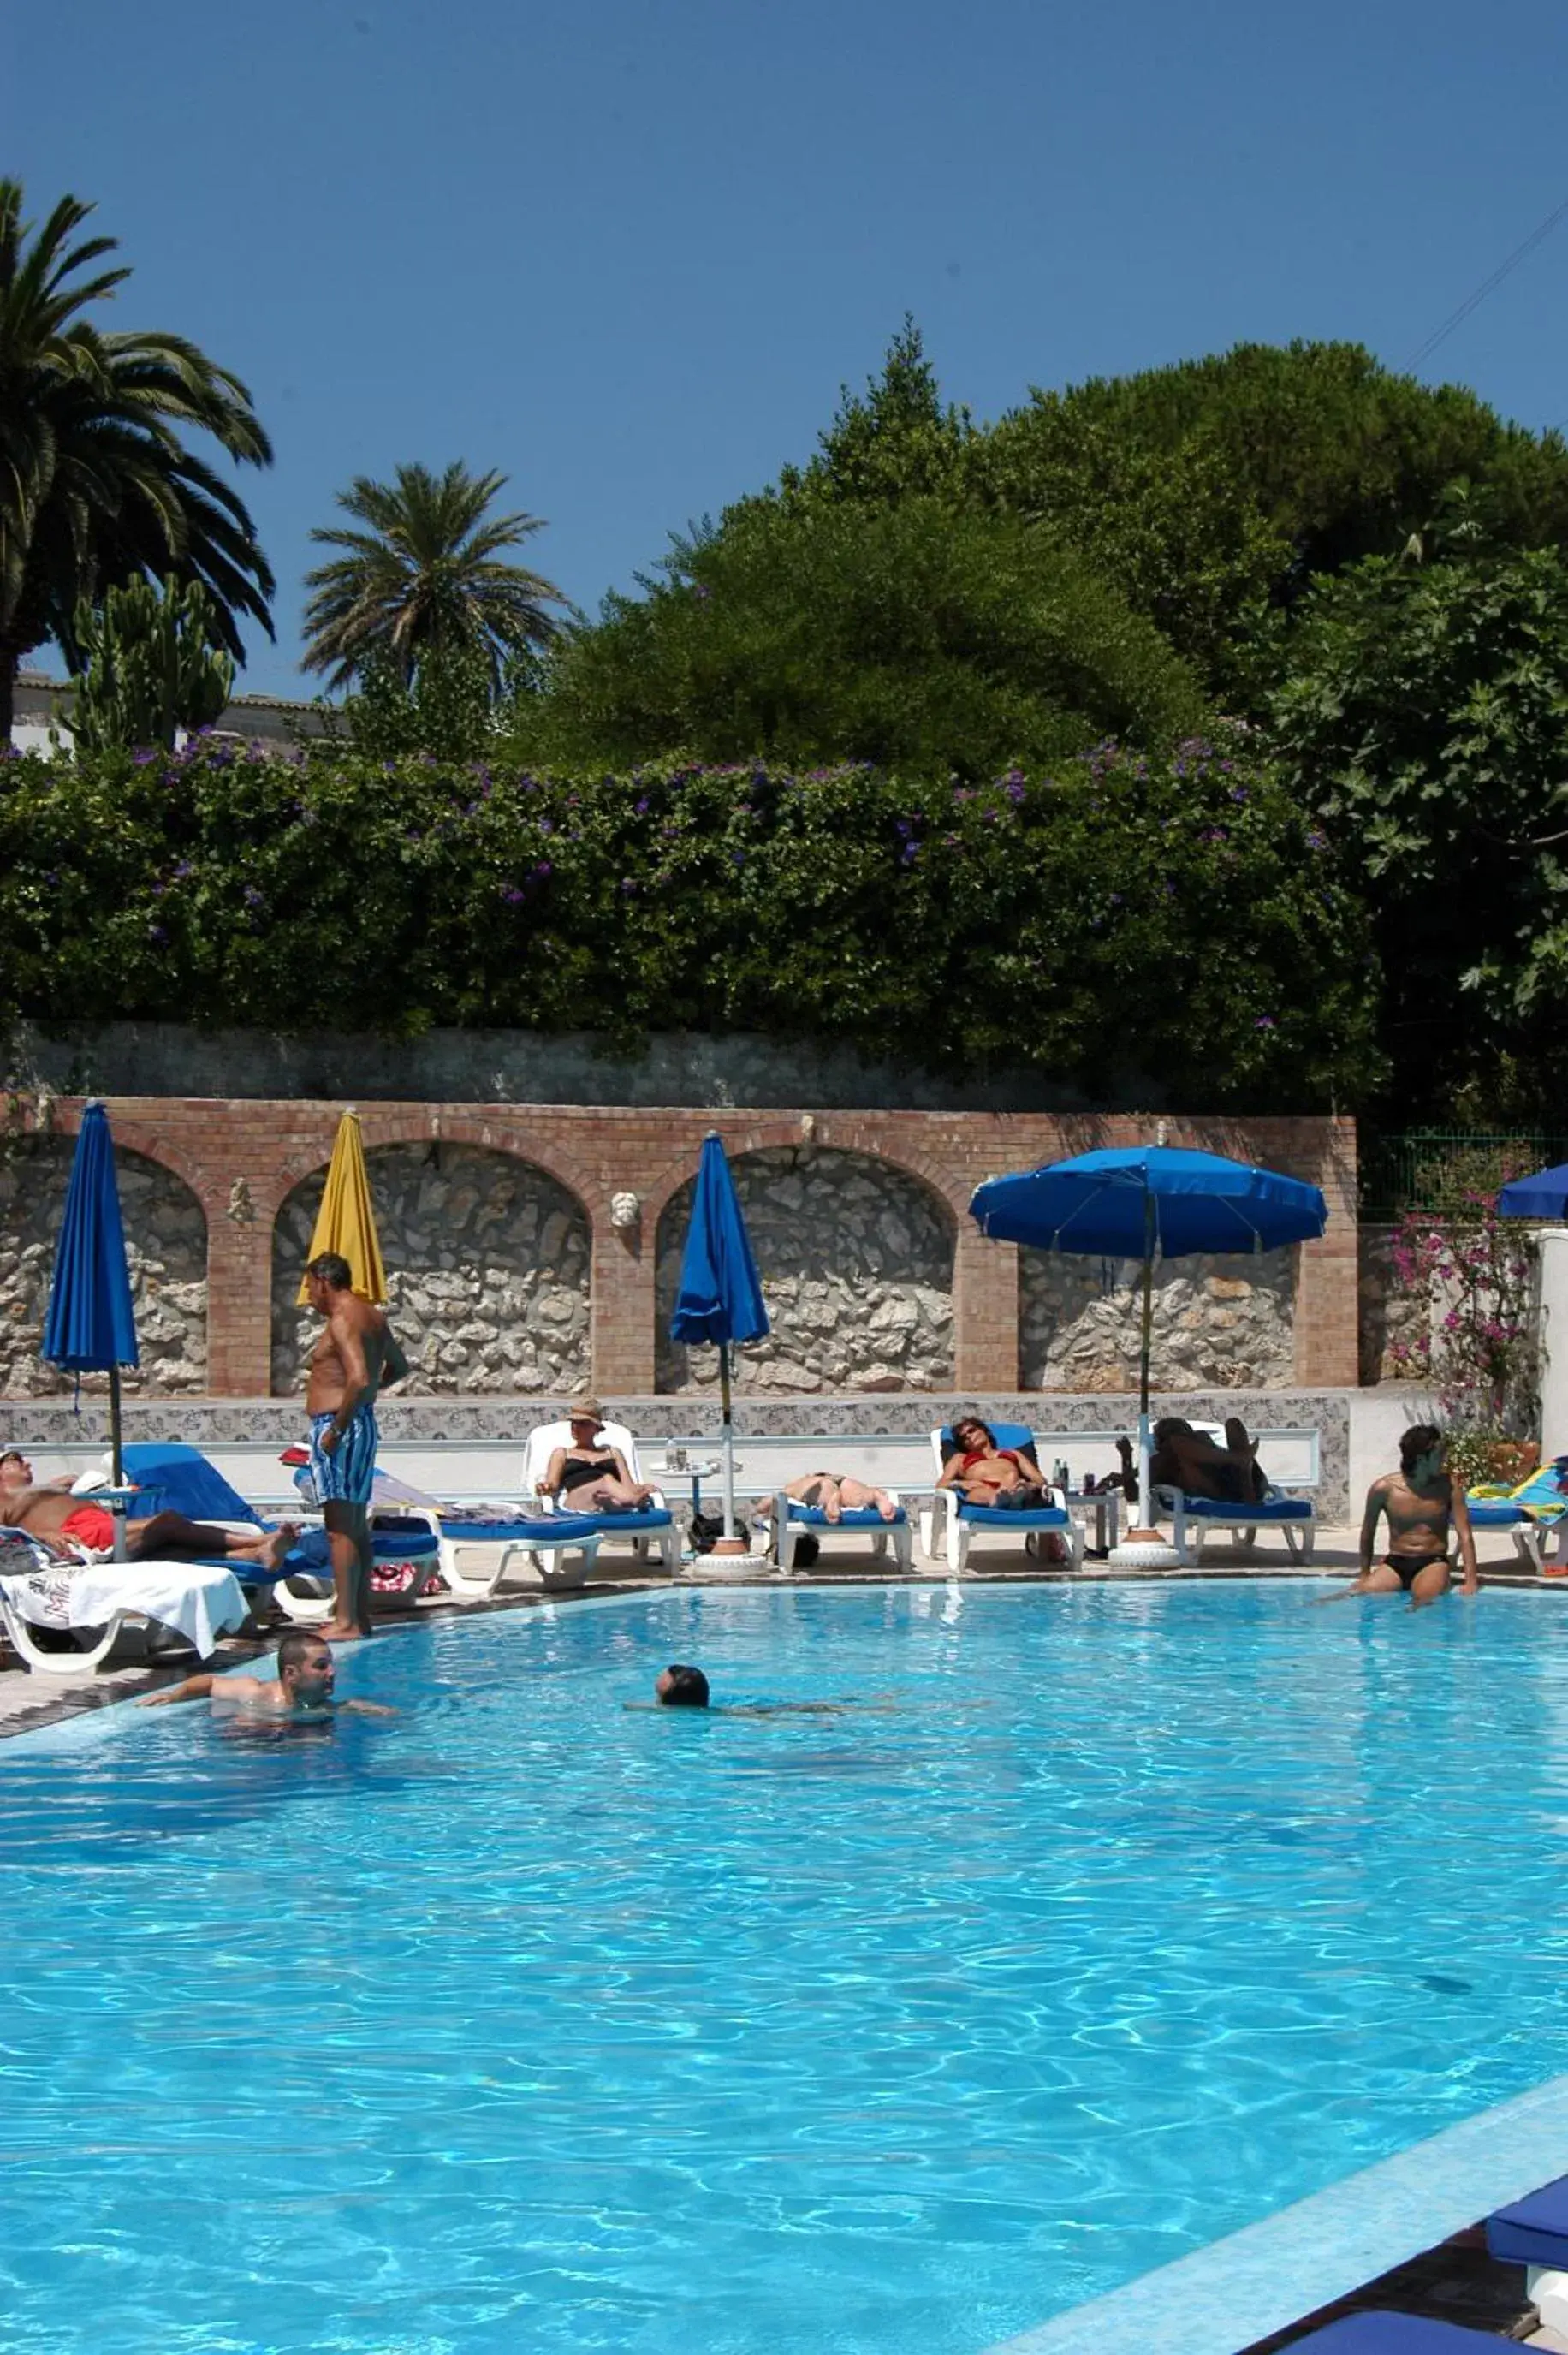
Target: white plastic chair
(653, 1528)
(950, 1522)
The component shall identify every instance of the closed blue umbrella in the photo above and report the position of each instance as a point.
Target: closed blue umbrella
(1145, 1202)
(91, 1327)
(1544, 1195)
(721, 1295)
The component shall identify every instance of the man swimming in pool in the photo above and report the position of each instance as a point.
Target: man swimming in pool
(303, 1687)
(1421, 1502)
(680, 1686)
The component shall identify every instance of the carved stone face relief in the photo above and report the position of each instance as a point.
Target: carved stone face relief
(626, 1209)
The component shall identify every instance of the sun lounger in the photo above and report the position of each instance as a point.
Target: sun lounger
(551, 1549)
(201, 1602)
(1527, 1510)
(1193, 1517)
(1533, 2232)
(651, 1531)
(790, 1517)
(1395, 2334)
(951, 1522)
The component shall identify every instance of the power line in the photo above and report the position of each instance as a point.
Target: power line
(1456, 319)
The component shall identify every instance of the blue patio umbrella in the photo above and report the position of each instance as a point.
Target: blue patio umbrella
(1144, 1203)
(1544, 1195)
(91, 1327)
(721, 1295)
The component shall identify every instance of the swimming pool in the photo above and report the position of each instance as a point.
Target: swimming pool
(1107, 1920)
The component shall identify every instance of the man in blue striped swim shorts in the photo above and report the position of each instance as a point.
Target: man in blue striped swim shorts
(351, 1363)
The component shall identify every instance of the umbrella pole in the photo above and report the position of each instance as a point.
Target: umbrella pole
(117, 1463)
(729, 1442)
(1144, 1547)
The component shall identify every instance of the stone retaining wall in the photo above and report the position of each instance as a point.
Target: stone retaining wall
(1226, 1322)
(855, 1260)
(488, 1272)
(165, 1243)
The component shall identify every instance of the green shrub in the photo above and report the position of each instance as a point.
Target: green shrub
(1164, 924)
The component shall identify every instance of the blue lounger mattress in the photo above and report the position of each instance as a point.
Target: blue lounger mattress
(547, 1528)
(1496, 1513)
(853, 1517)
(1534, 2231)
(1259, 1509)
(995, 1516)
(1395, 2334)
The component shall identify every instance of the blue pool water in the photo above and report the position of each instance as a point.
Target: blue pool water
(1105, 1921)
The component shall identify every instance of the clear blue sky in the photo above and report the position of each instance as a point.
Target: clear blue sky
(627, 250)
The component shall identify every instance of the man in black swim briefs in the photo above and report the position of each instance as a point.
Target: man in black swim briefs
(1421, 1502)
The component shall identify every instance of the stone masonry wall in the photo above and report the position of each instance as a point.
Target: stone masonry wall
(1225, 1322)
(856, 1258)
(165, 1243)
(486, 1267)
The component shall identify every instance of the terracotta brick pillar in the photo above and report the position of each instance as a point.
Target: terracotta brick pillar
(622, 1309)
(1327, 1275)
(984, 1313)
(239, 1306)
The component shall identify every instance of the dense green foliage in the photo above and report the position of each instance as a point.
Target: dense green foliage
(935, 642)
(151, 666)
(1166, 929)
(1426, 717)
(97, 485)
(428, 573)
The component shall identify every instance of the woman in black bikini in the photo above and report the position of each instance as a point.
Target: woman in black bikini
(1420, 1502)
(593, 1477)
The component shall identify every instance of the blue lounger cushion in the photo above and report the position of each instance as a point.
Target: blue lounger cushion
(310, 1557)
(1496, 1513)
(1532, 2231)
(171, 1478)
(1395, 2334)
(1259, 1509)
(559, 1529)
(996, 1516)
(853, 1517)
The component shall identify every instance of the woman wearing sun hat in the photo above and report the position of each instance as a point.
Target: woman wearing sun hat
(589, 1475)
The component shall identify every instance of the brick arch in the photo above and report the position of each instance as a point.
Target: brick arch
(832, 1136)
(857, 1257)
(131, 1135)
(488, 1255)
(571, 1174)
(165, 1226)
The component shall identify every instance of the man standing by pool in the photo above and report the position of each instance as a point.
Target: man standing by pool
(352, 1362)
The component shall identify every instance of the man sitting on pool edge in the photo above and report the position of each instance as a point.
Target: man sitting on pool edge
(1418, 1502)
(301, 1689)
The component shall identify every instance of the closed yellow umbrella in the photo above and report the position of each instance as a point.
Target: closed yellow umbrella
(345, 1221)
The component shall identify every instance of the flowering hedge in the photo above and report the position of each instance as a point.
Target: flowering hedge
(1175, 924)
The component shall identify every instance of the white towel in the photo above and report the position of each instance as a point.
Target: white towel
(201, 1602)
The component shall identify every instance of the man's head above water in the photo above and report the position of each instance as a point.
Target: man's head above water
(305, 1668)
(680, 1687)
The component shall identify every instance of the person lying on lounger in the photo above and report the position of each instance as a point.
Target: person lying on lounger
(1425, 1508)
(984, 1473)
(838, 1493)
(591, 1475)
(1183, 1458)
(303, 1687)
(56, 1518)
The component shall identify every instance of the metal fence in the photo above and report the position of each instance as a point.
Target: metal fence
(1437, 1170)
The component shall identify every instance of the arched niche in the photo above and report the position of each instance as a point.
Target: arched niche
(487, 1266)
(1220, 1322)
(856, 1258)
(165, 1247)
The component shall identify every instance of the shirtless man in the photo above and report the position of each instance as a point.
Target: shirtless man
(1183, 1458)
(838, 1493)
(301, 1688)
(1418, 1502)
(351, 1364)
(55, 1517)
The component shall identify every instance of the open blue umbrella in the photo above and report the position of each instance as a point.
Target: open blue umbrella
(721, 1295)
(1542, 1195)
(91, 1327)
(1144, 1203)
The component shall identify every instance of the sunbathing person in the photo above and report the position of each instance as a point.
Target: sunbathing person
(1182, 1458)
(838, 1493)
(303, 1687)
(1422, 1503)
(984, 1473)
(56, 1518)
(589, 1475)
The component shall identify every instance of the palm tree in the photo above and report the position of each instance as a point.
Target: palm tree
(97, 488)
(427, 573)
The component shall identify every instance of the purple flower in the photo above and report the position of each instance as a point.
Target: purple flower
(181, 870)
(142, 759)
(1014, 790)
(738, 857)
(52, 877)
(1315, 839)
(156, 932)
(641, 806)
(546, 825)
(512, 895)
(1238, 792)
(627, 884)
(1265, 1022)
(542, 867)
(253, 897)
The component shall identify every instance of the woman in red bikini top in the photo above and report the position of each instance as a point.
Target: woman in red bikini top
(980, 1470)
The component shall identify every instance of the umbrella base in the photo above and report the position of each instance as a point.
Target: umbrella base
(1146, 1549)
(728, 1566)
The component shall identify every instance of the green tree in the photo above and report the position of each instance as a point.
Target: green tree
(97, 486)
(445, 708)
(933, 641)
(430, 570)
(896, 440)
(1425, 719)
(151, 667)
